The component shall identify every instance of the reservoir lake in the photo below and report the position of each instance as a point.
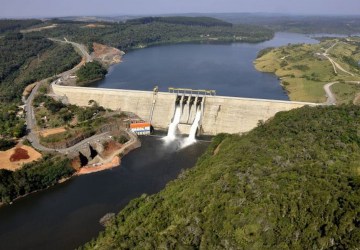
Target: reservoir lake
(67, 215)
(226, 68)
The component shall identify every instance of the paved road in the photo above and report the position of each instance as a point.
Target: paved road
(333, 62)
(33, 137)
(331, 99)
(30, 114)
(79, 46)
(31, 121)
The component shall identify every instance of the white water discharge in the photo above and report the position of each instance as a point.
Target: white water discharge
(191, 139)
(174, 124)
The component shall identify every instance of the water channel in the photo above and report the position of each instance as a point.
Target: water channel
(67, 215)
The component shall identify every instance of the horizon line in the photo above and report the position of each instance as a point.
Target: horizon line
(180, 13)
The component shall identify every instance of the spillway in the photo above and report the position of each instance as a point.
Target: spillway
(174, 124)
(192, 135)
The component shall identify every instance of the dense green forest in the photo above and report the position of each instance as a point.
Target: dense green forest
(292, 183)
(25, 59)
(307, 24)
(198, 21)
(32, 177)
(89, 72)
(16, 51)
(7, 25)
(313, 25)
(58, 59)
(159, 30)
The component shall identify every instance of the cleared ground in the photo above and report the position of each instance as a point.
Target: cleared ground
(16, 157)
(39, 28)
(107, 55)
(52, 131)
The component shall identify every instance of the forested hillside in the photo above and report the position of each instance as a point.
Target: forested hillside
(292, 183)
(149, 31)
(199, 21)
(25, 59)
(7, 25)
(307, 24)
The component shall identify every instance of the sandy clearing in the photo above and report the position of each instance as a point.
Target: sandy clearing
(52, 131)
(357, 99)
(93, 25)
(110, 148)
(39, 29)
(91, 169)
(107, 55)
(5, 156)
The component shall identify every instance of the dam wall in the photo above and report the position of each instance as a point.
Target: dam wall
(238, 115)
(219, 114)
(142, 103)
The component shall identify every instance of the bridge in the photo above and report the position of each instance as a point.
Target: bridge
(220, 114)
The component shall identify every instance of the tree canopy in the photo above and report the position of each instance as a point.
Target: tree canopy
(33, 176)
(7, 25)
(149, 31)
(292, 183)
(90, 71)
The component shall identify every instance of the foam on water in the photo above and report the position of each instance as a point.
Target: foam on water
(191, 139)
(174, 125)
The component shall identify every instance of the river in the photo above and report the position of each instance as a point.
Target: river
(67, 215)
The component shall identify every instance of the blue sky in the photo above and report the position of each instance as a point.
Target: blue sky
(49, 8)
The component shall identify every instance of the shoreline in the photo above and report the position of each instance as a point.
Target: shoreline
(114, 160)
(309, 79)
(131, 145)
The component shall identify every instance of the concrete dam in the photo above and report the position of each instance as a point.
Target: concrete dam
(219, 114)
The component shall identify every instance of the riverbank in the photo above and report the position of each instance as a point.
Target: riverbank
(80, 202)
(112, 161)
(304, 69)
(49, 170)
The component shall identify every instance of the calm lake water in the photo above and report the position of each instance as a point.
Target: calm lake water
(66, 216)
(226, 68)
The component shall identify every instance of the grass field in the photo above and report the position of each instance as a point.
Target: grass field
(304, 71)
(346, 92)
